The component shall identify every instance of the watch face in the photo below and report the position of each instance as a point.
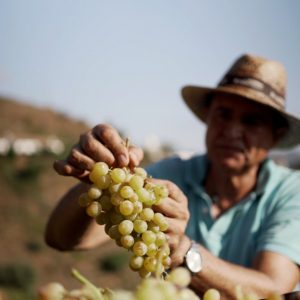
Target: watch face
(194, 260)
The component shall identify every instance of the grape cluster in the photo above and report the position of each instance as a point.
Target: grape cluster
(174, 287)
(122, 200)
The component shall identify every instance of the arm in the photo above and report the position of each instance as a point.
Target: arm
(271, 272)
(69, 227)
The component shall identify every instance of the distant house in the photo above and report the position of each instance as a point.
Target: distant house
(31, 146)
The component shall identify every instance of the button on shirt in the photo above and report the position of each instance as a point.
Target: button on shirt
(267, 219)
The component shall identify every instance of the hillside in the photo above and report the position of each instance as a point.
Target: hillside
(29, 189)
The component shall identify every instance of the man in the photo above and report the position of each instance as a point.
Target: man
(233, 209)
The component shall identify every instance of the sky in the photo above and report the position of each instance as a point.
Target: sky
(124, 62)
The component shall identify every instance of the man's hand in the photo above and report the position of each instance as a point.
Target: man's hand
(175, 210)
(102, 143)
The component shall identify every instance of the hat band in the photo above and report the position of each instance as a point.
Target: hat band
(255, 84)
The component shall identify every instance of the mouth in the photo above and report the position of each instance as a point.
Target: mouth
(230, 148)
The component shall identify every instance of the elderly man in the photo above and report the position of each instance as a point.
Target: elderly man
(233, 209)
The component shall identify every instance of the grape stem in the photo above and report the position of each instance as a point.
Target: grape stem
(94, 290)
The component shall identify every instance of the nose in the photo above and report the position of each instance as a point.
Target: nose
(233, 130)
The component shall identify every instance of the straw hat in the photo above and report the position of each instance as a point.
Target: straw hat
(256, 79)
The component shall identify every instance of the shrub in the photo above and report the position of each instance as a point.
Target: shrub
(15, 275)
(114, 261)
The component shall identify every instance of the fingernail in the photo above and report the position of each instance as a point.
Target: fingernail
(123, 160)
(133, 158)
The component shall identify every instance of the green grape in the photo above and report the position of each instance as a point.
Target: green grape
(153, 227)
(139, 248)
(93, 209)
(161, 221)
(103, 182)
(136, 262)
(187, 294)
(169, 290)
(161, 238)
(51, 291)
(84, 200)
(166, 261)
(125, 227)
(145, 274)
(107, 226)
(114, 188)
(131, 217)
(147, 214)
(94, 192)
(150, 264)
(100, 169)
(127, 241)
(151, 199)
(141, 172)
(118, 175)
(140, 226)
(137, 207)
(181, 277)
(136, 182)
(113, 232)
(116, 218)
(212, 294)
(126, 208)
(126, 192)
(105, 203)
(152, 250)
(161, 191)
(134, 197)
(148, 237)
(149, 186)
(102, 218)
(143, 195)
(116, 199)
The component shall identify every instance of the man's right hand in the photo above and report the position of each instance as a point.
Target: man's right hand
(102, 143)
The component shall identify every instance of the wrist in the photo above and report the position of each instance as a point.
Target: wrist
(193, 260)
(178, 256)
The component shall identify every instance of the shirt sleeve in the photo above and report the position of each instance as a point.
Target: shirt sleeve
(280, 231)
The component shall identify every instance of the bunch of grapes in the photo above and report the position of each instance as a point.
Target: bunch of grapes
(122, 200)
(174, 287)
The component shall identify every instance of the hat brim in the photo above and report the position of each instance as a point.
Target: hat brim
(196, 99)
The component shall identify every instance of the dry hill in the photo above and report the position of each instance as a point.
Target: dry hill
(29, 189)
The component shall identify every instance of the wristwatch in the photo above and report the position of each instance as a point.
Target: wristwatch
(193, 258)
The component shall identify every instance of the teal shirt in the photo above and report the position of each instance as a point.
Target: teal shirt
(267, 219)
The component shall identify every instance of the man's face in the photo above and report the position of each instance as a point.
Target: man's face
(239, 133)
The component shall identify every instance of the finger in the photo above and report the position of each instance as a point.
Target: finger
(172, 209)
(175, 227)
(177, 256)
(174, 191)
(173, 241)
(113, 141)
(79, 160)
(136, 155)
(94, 149)
(64, 168)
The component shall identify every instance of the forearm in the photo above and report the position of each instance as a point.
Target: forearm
(69, 227)
(226, 276)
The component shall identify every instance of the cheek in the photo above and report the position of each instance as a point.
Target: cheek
(260, 139)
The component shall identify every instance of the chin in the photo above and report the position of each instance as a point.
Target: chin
(230, 164)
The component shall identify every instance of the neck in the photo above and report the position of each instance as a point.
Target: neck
(228, 186)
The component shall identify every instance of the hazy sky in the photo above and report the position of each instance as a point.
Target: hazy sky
(124, 62)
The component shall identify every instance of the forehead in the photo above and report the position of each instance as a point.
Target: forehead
(238, 103)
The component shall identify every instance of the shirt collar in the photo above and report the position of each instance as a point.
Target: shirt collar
(198, 166)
